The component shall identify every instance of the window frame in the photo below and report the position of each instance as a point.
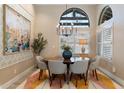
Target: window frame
(85, 27)
(74, 11)
(104, 10)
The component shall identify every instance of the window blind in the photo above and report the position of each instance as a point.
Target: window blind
(107, 43)
(104, 42)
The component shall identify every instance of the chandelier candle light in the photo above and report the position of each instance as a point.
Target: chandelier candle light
(64, 29)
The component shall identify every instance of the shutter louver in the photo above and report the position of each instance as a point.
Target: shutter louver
(107, 43)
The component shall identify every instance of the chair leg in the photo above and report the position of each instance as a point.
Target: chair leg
(85, 79)
(64, 77)
(50, 80)
(60, 83)
(54, 76)
(83, 76)
(93, 72)
(76, 83)
(41, 72)
(71, 76)
(96, 74)
(80, 77)
(85, 82)
(86, 76)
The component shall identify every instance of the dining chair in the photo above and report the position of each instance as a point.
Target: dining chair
(57, 68)
(79, 68)
(94, 65)
(41, 65)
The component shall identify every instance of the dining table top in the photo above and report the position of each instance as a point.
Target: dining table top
(75, 58)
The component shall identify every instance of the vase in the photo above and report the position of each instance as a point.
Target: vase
(83, 50)
(67, 54)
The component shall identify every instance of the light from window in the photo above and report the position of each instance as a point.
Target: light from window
(80, 20)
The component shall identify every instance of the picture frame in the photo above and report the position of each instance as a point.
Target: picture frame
(16, 31)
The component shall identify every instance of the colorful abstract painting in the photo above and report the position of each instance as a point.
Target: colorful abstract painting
(17, 34)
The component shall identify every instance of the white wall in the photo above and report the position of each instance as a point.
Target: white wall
(47, 17)
(118, 39)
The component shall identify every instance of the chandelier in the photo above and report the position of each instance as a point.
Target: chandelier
(65, 29)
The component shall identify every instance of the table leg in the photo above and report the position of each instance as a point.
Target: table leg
(68, 66)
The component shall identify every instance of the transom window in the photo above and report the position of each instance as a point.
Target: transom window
(74, 16)
(105, 15)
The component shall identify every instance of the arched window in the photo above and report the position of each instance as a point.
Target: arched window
(74, 16)
(104, 34)
(77, 18)
(105, 15)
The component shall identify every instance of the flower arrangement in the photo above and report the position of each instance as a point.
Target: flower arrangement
(66, 47)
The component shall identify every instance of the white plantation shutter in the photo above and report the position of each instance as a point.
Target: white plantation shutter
(104, 40)
(107, 43)
(107, 51)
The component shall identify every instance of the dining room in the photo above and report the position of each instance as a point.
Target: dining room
(61, 46)
(69, 31)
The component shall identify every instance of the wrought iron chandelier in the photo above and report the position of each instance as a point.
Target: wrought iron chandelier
(63, 28)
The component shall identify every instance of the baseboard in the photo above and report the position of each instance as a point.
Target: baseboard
(112, 76)
(10, 82)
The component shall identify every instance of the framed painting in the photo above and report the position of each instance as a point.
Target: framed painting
(17, 30)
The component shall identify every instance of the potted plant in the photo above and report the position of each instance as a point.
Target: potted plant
(67, 54)
(38, 44)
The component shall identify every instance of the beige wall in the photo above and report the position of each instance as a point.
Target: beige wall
(10, 72)
(47, 17)
(118, 40)
(11, 66)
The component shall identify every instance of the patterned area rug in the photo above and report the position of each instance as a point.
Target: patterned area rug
(33, 82)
